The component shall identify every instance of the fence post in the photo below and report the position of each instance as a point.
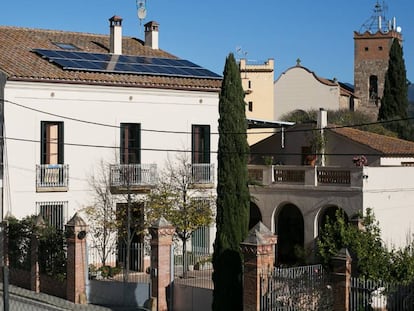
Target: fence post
(259, 257)
(161, 240)
(341, 280)
(34, 255)
(76, 230)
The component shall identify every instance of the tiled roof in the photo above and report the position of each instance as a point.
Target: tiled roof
(19, 62)
(383, 144)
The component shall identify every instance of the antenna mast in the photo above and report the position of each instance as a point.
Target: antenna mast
(377, 22)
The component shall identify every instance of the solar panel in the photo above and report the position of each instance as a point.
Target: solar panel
(126, 64)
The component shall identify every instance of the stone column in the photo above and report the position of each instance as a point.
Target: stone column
(76, 230)
(341, 280)
(259, 257)
(162, 235)
(34, 255)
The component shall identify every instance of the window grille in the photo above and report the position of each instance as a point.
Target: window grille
(53, 212)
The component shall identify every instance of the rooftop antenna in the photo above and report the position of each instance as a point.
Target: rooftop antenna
(377, 22)
(141, 10)
(242, 54)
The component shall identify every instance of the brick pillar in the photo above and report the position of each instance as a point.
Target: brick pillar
(162, 233)
(76, 230)
(34, 255)
(259, 256)
(341, 280)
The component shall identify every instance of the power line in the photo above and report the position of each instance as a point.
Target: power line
(211, 152)
(214, 133)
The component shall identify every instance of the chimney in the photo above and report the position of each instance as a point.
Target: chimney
(151, 35)
(115, 24)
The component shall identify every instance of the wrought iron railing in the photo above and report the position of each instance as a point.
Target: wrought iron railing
(202, 173)
(52, 176)
(124, 175)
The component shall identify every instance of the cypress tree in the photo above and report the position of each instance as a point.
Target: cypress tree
(394, 103)
(233, 199)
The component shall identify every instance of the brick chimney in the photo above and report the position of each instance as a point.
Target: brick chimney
(115, 38)
(151, 35)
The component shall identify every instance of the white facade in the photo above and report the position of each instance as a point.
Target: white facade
(389, 192)
(86, 143)
(300, 89)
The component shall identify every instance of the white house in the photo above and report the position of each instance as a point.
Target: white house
(71, 100)
(299, 88)
(360, 170)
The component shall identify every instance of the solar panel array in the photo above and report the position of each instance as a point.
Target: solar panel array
(126, 64)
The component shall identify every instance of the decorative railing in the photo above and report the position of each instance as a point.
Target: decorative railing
(289, 176)
(318, 176)
(202, 173)
(124, 175)
(52, 177)
(330, 176)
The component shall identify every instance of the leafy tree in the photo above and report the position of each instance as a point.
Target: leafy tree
(394, 103)
(109, 226)
(365, 245)
(184, 206)
(233, 198)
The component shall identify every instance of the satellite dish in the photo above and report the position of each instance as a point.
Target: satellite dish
(399, 29)
(141, 10)
(142, 13)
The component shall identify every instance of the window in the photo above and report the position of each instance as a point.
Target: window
(200, 144)
(373, 88)
(51, 142)
(54, 213)
(250, 84)
(130, 143)
(366, 49)
(66, 46)
(250, 106)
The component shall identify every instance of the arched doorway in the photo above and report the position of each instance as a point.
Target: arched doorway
(255, 215)
(329, 212)
(290, 235)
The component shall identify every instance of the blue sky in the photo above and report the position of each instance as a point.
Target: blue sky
(319, 32)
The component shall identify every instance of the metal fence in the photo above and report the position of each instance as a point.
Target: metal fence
(115, 268)
(379, 295)
(294, 289)
(193, 269)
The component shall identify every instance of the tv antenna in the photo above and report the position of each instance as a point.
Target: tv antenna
(240, 53)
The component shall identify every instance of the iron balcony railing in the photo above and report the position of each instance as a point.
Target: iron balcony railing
(202, 173)
(52, 177)
(124, 175)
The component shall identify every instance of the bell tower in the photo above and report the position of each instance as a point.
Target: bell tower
(372, 45)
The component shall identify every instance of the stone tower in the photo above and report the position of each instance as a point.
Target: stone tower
(372, 45)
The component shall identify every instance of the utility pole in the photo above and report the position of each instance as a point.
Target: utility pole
(3, 255)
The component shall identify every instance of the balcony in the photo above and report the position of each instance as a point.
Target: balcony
(136, 178)
(52, 177)
(306, 176)
(202, 175)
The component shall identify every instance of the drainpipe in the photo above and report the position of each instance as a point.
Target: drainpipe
(322, 123)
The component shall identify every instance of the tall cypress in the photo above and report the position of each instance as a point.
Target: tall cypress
(394, 103)
(233, 199)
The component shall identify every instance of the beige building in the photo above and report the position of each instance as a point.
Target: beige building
(298, 88)
(257, 82)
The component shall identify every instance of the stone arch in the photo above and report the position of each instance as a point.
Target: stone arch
(255, 215)
(290, 230)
